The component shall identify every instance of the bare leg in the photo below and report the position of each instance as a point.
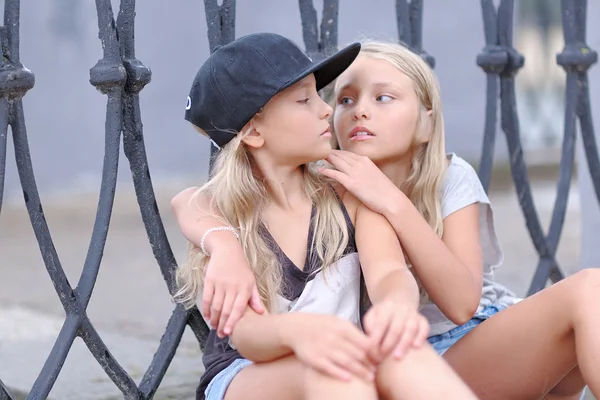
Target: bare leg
(320, 386)
(571, 397)
(569, 388)
(525, 351)
(420, 375)
(289, 379)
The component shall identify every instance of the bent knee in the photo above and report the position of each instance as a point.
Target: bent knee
(586, 282)
(323, 386)
(584, 289)
(393, 373)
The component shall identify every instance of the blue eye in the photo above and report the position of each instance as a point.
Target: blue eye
(384, 98)
(345, 100)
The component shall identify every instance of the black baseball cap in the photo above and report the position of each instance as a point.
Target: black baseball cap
(239, 78)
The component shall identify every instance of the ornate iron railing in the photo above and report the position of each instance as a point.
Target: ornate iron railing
(121, 76)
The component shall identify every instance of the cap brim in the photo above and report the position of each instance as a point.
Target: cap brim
(327, 70)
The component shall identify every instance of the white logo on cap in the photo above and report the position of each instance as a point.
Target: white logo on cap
(189, 103)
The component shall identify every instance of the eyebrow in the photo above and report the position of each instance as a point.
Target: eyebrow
(376, 84)
(387, 84)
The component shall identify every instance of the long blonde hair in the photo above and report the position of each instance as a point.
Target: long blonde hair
(238, 194)
(429, 162)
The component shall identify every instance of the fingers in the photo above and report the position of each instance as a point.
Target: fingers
(339, 163)
(216, 306)
(225, 307)
(402, 338)
(207, 297)
(423, 332)
(328, 367)
(341, 160)
(228, 304)
(352, 353)
(357, 354)
(415, 334)
(358, 339)
(256, 302)
(348, 156)
(376, 329)
(356, 366)
(339, 176)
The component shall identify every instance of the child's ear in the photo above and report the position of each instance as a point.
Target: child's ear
(253, 138)
(425, 126)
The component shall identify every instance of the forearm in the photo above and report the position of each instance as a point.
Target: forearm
(450, 283)
(262, 338)
(382, 260)
(195, 217)
(398, 285)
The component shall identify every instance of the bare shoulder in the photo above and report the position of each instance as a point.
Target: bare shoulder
(182, 198)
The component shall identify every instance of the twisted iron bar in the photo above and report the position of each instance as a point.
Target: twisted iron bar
(409, 21)
(322, 42)
(121, 76)
(220, 20)
(501, 62)
(576, 58)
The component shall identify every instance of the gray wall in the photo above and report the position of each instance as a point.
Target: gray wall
(65, 114)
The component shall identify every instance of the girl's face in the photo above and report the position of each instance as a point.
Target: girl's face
(293, 126)
(376, 110)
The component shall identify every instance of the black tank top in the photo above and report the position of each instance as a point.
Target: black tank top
(218, 354)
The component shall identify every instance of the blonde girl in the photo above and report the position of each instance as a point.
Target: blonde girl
(256, 98)
(388, 120)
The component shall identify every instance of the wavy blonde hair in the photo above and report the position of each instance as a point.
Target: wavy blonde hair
(429, 162)
(238, 196)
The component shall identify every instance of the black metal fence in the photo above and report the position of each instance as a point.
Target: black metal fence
(121, 76)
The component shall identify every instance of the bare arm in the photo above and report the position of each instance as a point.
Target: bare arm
(262, 338)
(229, 283)
(393, 322)
(386, 274)
(195, 219)
(326, 343)
(450, 268)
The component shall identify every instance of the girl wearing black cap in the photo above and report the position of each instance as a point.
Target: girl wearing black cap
(256, 98)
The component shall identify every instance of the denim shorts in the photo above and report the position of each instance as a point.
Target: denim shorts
(441, 343)
(218, 385)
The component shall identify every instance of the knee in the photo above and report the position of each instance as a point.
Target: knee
(585, 288)
(322, 386)
(587, 282)
(396, 379)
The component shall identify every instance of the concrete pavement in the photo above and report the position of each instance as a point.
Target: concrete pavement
(130, 304)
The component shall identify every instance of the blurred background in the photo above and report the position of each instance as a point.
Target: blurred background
(65, 121)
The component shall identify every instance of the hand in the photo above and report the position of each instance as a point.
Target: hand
(393, 326)
(364, 180)
(330, 345)
(229, 286)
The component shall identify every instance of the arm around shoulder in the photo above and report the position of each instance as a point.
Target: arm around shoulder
(195, 216)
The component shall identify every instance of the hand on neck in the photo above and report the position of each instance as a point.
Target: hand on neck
(397, 170)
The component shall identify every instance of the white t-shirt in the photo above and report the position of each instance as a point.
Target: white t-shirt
(461, 188)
